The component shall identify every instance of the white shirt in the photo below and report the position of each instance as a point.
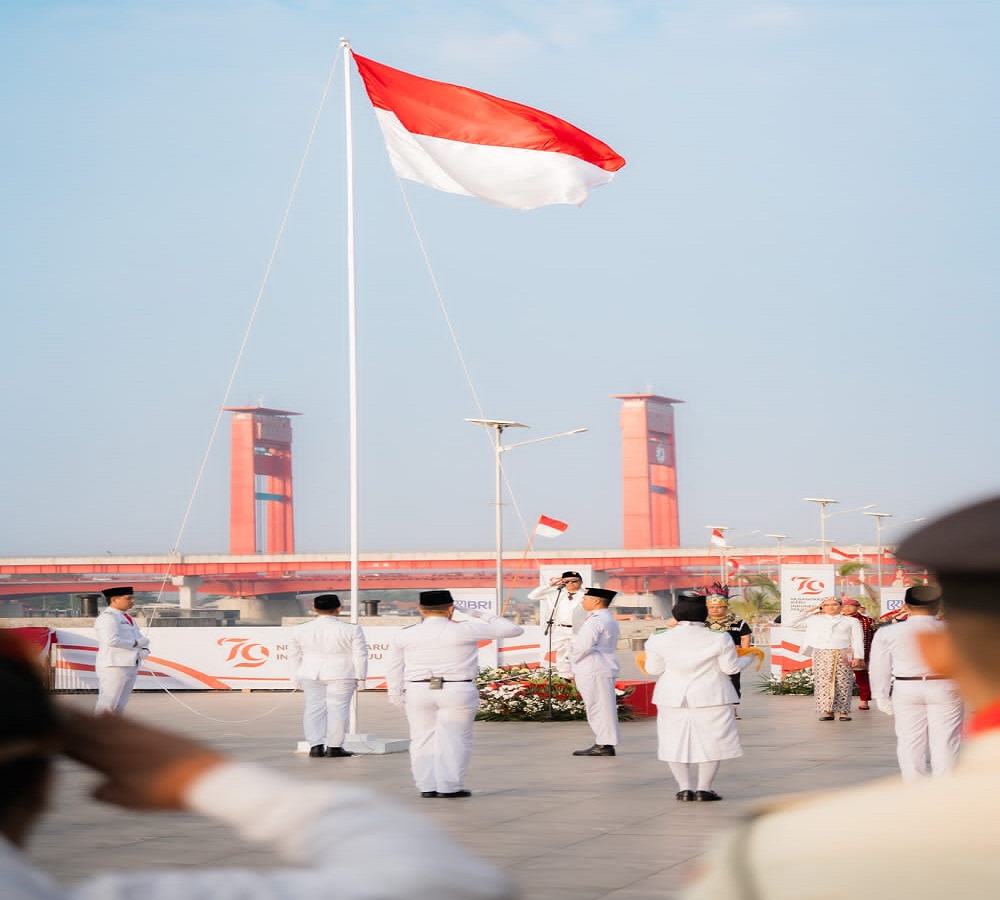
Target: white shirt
(838, 632)
(120, 642)
(895, 652)
(565, 603)
(593, 648)
(327, 649)
(438, 646)
(335, 835)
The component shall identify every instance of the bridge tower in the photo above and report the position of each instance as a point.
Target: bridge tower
(649, 470)
(260, 486)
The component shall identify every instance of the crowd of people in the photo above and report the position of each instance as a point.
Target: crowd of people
(925, 670)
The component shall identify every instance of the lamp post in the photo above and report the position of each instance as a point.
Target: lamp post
(499, 448)
(878, 517)
(778, 538)
(824, 515)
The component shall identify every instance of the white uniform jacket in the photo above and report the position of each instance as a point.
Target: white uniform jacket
(119, 643)
(694, 665)
(437, 646)
(333, 838)
(895, 652)
(593, 649)
(568, 607)
(953, 816)
(327, 649)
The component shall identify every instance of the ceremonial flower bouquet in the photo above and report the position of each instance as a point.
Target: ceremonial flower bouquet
(521, 694)
(800, 682)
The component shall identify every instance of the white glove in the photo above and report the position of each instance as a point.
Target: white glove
(884, 706)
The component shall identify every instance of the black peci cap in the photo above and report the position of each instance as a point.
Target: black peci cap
(572, 575)
(436, 599)
(602, 593)
(124, 591)
(325, 602)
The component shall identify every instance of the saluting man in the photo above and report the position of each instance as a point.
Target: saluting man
(328, 658)
(592, 656)
(431, 670)
(559, 600)
(121, 647)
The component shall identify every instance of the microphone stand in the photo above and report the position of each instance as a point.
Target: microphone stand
(549, 625)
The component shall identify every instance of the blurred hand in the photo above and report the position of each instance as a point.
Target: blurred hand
(143, 767)
(884, 706)
(397, 699)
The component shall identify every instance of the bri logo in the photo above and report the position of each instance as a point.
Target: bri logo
(810, 586)
(251, 654)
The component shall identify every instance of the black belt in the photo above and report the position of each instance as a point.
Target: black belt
(564, 626)
(920, 678)
(445, 680)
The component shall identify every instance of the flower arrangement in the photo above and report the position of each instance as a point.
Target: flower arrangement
(800, 682)
(521, 694)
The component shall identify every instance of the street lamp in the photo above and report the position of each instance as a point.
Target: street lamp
(824, 515)
(498, 425)
(779, 538)
(878, 517)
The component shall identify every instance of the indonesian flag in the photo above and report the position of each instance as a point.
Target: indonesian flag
(839, 555)
(734, 565)
(547, 527)
(463, 141)
(716, 539)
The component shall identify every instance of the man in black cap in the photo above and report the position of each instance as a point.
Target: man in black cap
(328, 658)
(927, 708)
(121, 647)
(431, 670)
(952, 818)
(592, 656)
(558, 601)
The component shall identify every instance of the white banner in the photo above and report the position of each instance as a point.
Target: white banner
(891, 599)
(802, 587)
(226, 659)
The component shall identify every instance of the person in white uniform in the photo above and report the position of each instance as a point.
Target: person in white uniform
(121, 648)
(329, 658)
(945, 827)
(559, 604)
(431, 672)
(594, 667)
(927, 708)
(694, 697)
(332, 838)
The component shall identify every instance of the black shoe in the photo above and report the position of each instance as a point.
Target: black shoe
(337, 751)
(426, 794)
(454, 794)
(706, 795)
(685, 795)
(596, 750)
(317, 750)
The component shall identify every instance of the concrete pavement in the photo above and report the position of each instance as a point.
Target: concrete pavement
(566, 828)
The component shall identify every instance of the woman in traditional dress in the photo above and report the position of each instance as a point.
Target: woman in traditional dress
(721, 619)
(694, 698)
(836, 641)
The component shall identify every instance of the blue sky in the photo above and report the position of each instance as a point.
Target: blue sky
(802, 247)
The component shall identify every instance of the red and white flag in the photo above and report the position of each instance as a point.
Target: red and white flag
(839, 555)
(717, 539)
(734, 565)
(463, 141)
(547, 527)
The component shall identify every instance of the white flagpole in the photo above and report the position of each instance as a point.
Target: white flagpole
(352, 353)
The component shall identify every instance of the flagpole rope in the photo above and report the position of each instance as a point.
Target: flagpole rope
(265, 279)
(453, 334)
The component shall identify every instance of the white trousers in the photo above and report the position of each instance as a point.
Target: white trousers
(562, 640)
(598, 693)
(928, 720)
(114, 687)
(441, 733)
(327, 710)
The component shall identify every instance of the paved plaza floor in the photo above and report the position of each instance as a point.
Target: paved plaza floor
(565, 828)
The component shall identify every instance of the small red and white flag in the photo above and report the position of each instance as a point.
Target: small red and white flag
(463, 141)
(717, 539)
(547, 527)
(734, 565)
(839, 555)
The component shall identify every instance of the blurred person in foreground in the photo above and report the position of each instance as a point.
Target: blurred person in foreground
(339, 841)
(926, 707)
(946, 826)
